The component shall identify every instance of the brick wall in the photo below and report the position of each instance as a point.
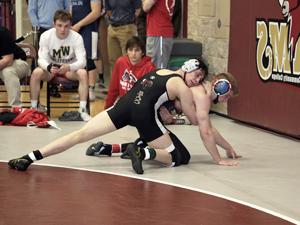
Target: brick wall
(208, 23)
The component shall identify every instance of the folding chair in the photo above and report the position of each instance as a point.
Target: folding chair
(66, 87)
(182, 50)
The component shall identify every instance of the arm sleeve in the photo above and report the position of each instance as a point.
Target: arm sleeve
(80, 53)
(113, 91)
(32, 12)
(43, 53)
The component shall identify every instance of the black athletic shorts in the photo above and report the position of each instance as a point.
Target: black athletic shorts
(146, 120)
(90, 64)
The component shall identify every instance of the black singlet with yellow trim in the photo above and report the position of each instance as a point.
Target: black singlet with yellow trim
(139, 107)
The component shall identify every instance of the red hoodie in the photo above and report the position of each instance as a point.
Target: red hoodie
(124, 77)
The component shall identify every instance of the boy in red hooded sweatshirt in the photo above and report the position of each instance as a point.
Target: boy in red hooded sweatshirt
(128, 69)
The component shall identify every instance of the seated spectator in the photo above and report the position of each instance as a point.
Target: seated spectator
(41, 14)
(128, 69)
(13, 67)
(61, 53)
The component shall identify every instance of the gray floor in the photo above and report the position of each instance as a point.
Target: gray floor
(268, 175)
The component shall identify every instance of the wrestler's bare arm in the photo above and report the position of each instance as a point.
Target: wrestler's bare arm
(221, 141)
(178, 90)
(148, 4)
(203, 103)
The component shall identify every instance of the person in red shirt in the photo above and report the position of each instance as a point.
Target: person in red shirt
(128, 69)
(160, 30)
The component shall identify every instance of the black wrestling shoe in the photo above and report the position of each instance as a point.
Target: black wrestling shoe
(95, 150)
(140, 143)
(19, 164)
(135, 156)
(125, 155)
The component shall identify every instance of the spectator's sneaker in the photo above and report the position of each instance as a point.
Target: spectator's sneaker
(84, 115)
(92, 96)
(100, 95)
(135, 156)
(19, 164)
(102, 88)
(70, 116)
(97, 149)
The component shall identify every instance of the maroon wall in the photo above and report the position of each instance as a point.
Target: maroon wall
(267, 103)
(7, 16)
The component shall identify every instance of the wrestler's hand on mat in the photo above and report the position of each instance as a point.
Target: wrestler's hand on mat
(231, 154)
(225, 162)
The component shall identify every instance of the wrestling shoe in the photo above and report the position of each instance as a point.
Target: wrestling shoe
(125, 155)
(135, 156)
(19, 164)
(97, 149)
(138, 142)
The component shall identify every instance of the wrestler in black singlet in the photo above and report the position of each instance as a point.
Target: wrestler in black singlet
(139, 107)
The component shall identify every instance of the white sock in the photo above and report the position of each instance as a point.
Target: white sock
(34, 103)
(82, 105)
(147, 154)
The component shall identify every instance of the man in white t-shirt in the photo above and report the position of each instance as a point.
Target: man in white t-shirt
(61, 53)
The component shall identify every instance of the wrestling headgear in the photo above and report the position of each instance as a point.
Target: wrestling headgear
(194, 64)
(221, 87)
(191, 65)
